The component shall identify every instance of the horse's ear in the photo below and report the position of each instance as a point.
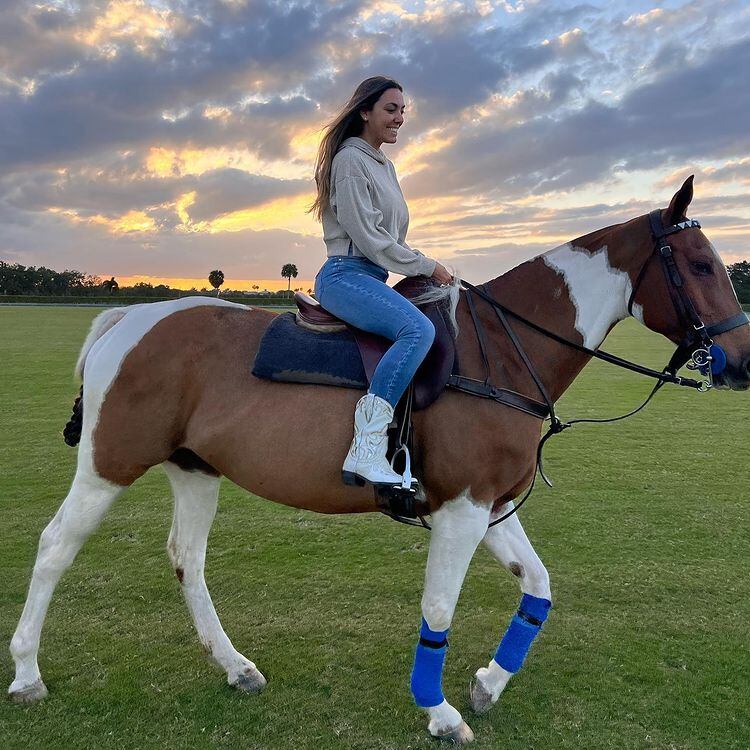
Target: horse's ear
(680, 201)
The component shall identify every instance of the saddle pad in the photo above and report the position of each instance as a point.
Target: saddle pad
(289, 353)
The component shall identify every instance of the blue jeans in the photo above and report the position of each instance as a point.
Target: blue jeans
(354, 290)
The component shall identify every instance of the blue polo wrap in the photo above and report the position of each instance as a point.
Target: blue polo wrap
(523, 628)
(427, 674)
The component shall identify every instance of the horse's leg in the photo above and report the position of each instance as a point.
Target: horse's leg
(457, 528)
(88, 500)
(195, 498)
(509, 544)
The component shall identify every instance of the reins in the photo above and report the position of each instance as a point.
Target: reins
(698, 335)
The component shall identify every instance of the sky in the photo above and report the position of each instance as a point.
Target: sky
(159, 139)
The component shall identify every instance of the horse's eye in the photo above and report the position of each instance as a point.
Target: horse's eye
(701, 268)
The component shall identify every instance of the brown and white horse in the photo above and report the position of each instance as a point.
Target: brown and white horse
(169, 383)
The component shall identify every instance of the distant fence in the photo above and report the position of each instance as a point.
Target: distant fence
(118, 301)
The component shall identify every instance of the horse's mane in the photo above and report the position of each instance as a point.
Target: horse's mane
(435, 293)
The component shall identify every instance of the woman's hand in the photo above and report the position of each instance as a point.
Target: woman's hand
(441, 274)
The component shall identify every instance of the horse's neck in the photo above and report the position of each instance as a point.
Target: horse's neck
(573, 290)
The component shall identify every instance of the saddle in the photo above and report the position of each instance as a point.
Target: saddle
(314, 346)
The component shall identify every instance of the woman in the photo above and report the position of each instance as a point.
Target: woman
(365, 219)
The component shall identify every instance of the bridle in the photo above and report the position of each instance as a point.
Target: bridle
(697, 351)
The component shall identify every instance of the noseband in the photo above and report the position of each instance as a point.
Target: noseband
(697, 350)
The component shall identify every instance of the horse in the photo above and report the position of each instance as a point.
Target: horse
(169, 383)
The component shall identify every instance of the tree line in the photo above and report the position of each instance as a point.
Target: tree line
(17, 279)
(739, 273)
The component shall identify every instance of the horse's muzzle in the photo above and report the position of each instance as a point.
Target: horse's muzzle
(736, 375)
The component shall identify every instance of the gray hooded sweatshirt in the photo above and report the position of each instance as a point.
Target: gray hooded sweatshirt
(368, 212)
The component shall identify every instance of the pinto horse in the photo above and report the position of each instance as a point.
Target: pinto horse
(169, 383)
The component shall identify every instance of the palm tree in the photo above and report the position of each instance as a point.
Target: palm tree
(287, 271)
(216, 279)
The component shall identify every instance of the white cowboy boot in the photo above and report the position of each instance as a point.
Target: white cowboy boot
(366, 458)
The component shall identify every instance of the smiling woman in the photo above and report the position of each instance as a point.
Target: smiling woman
(365, 220)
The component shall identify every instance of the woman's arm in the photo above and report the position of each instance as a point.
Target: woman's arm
(358, 217)
(441, 274)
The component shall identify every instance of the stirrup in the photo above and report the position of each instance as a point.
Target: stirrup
(397, 501)
(408, 482)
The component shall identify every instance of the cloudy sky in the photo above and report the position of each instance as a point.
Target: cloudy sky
(165, 138)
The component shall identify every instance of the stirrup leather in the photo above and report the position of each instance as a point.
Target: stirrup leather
(404, 501)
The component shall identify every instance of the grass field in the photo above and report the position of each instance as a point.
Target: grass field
(645, 536)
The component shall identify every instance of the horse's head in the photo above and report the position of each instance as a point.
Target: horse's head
(680, 283)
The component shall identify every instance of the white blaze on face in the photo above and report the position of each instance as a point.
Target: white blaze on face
(599, 292)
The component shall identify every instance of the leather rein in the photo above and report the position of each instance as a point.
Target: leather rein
(697, 350)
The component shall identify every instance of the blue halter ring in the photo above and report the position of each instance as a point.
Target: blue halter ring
(718, 360)
(714, 358)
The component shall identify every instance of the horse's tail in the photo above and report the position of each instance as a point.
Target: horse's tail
(72, 430)
(102, 323)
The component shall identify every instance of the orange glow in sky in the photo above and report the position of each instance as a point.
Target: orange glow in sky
(272, 285)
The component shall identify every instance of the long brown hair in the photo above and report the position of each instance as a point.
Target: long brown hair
(346, 124)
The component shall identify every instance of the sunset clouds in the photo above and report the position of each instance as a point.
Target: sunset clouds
(164, 138)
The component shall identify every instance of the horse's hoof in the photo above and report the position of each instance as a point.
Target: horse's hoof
(250, 681)
(480, 697)
(460, 735)
(33, 693)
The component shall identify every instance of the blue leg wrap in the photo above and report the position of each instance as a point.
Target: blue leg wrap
(523, 628)
(427, 675)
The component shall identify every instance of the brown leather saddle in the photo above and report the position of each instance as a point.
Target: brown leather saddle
(433, 374)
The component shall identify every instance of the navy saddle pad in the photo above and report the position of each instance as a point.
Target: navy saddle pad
(289, 353)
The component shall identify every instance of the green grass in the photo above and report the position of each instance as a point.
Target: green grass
(645, 536)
